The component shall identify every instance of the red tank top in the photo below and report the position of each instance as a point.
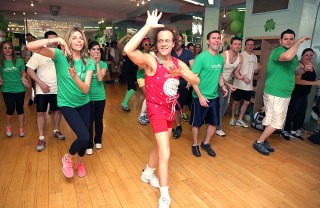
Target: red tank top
(162, 92)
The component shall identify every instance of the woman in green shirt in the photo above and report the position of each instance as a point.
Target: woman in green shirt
(14, 83)
(74, 74)
(97, 96)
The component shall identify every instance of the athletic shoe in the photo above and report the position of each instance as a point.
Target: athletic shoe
(296, 135)
(177, 132)
(232, 122)
(98, 146)
(220, 133)
(260, 148)
(59, 135)
(150, 178)
(208, 148)
(67, 168)
(147, 119)
(142, 120)
(81, 170)
(89, 151)
(241, 123)
(284, 135)
(164, 202)
(8, 131)
(21, 132)
(125, 108)
(40, 145)
(267, 146)
(196, 151)
(30, 102)
(185, 117)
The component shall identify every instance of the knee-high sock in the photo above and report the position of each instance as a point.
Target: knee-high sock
(129, 94)
(143, 108)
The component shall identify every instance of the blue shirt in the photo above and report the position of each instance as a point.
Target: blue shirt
(185, 56)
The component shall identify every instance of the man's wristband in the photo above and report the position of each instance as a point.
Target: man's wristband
(222, 85)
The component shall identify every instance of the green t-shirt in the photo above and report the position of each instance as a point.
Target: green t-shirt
(280, 78)
(209, 68)
(69, 93)
(140, 74)
(97, 91)
(11, 76)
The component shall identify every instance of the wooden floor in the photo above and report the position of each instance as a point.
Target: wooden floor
(237, 177)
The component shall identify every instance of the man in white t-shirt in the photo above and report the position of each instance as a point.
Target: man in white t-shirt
(243, 92)
(46, 89)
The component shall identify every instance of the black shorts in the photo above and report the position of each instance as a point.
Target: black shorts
(241, 95)
(44, 99)
(183, 95)
(202, 115)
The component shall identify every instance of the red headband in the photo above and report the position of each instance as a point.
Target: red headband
(145, 40)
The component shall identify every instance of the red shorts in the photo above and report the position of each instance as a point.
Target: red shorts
(160, 124)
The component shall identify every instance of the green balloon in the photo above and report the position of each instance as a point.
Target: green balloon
(100, 33)
(236, 26)
(234, 15)
(189, 38)
(188, 32)
(241, 16)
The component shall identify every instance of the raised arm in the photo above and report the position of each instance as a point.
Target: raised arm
(187, 74)
(136, 56)
(291, 52)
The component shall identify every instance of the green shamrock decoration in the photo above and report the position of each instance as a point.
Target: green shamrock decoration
(270, 25)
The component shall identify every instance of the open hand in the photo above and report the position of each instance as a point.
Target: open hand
(153, 18)
(72, 72)
(64, 47)
(173, 70)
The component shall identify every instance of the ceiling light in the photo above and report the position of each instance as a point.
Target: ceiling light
(211, 2)
(14, 13)
(24, 13)
(32, 4)
(194, 2)
(224, 13)
(35, 13)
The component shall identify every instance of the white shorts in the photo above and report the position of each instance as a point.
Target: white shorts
(276, 110)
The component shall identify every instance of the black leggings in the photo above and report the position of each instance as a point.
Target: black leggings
(79, 120)
(296, 112)
(96, 116)
(14, 101)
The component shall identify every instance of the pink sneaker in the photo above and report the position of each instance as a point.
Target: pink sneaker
(21, 132)
(8, 131)
(81, 170)
(67, 168)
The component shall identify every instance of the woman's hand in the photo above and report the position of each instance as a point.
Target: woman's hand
(153, 18)
(72, 72)
(25, 82)
(64, 47)
(97, 58)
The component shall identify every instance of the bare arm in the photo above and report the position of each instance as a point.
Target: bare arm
(100, 72)
(83, 86)
(187, 74)
(291, 52)
(45, 88)
(305, 82)
(238, 68)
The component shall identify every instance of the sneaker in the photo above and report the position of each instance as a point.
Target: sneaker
(242, 124)
(296, 135)
(208, 148)
(260, 148)
(220, 133)
(81, 170)
(59, 135)
(267, 146)
(98, 146)
(196, 151)
(147, 119)
(284, 135)
(21, 132)
(232, 122)
(152, 179)
(164, 202)
(89, 151)
(142, 120)
(40, 145)
(67, 168)
(185, 117)
(8, 131)
(125, 108)
(30, 102)
(177, 132)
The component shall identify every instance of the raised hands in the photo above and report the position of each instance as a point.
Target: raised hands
(64, 47)
(153, 18)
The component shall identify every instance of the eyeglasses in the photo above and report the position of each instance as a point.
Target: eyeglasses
(147, 44)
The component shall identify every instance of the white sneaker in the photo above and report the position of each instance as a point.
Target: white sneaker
(241, 123)
(164, 202)
(89, 151)
(232, 122)
(152, 179)
(220, 133)
(98, 146)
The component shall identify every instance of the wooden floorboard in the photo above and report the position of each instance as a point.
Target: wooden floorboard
(237, 177)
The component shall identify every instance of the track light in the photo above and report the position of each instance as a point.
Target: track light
(32, 4)
(224, 13)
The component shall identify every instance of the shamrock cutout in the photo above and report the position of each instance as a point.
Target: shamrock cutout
(270, 25)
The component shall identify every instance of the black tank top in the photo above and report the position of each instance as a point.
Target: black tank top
(304, 90)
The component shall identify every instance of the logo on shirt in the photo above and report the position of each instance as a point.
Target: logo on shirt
(216, 66)
(170, 87)
(10, 69)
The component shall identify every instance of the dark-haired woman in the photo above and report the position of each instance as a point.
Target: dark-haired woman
(97, 96)
(74, 74)
(14, 83)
